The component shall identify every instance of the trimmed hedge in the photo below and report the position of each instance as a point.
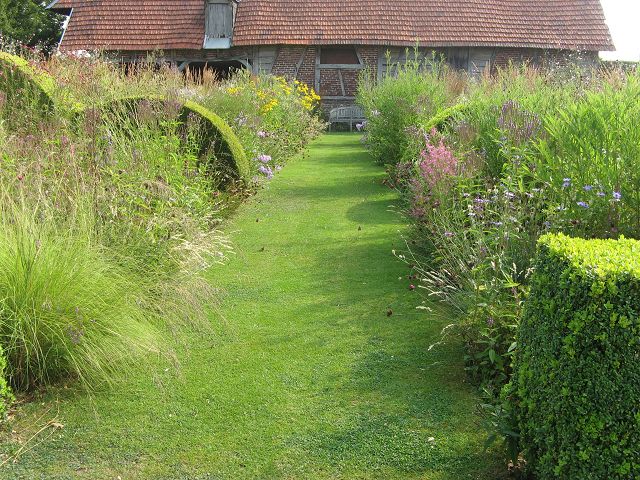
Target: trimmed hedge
(6, 396)
(17, 77)
(227, 144)
(217, 133)
(577, 374)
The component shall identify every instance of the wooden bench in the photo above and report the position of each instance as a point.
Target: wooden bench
(350, 115)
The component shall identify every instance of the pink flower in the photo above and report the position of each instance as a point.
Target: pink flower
(438, 164)
(412, 287)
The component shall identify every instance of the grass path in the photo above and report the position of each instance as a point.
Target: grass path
(306, 376)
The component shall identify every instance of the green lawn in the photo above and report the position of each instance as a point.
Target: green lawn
(305, 376)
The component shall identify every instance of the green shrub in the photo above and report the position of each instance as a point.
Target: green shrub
(23, 89)
(397, 104)
(227, 147)
(441, 118)
(6, 397)
(577, 375)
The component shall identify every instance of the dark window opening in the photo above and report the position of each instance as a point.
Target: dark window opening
(221, 70)
(339, 56)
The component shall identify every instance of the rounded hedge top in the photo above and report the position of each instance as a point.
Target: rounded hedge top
(217, 130)
(603, 257)
(42, 82)
(228, 138)
(443, 116)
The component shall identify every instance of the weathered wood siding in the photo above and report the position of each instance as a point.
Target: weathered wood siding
(219, 19)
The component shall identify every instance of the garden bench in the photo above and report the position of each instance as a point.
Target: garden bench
(350, 115)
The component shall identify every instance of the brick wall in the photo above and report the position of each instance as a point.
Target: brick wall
(287, 60)
(307, 72)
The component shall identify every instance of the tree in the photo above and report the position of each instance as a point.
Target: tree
(30, 23)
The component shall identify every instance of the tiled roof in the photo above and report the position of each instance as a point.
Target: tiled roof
(178, 24)
(567, 24)
(133, 24)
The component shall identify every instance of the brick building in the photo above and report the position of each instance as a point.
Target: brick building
(326, 43)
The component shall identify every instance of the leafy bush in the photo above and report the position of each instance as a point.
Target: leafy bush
(6, 397)
(397, 104)
(577, 376)
(22, 87)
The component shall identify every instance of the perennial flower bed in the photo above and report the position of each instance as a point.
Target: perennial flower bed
(111, 200)
(486, 167)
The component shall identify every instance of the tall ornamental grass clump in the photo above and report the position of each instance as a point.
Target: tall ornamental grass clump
(576, 386)
(67, 309)
(590, 158)
(406, 97)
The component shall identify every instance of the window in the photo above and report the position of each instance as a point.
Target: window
(219, 21)
(339, 56)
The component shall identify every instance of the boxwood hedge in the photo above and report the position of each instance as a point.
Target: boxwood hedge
(217, 134)
(22, 83)
(577, 373)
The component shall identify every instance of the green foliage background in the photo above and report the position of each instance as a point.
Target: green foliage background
(30, 23)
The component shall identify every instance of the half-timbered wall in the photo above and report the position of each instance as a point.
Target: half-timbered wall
(337, 83)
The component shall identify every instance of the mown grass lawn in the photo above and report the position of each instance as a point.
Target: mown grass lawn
(305, 375)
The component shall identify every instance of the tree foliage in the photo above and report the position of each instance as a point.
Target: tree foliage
(30, 23)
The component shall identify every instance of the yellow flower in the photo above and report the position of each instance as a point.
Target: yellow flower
(269, 106)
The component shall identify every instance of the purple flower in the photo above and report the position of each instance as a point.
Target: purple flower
(278, 168)
(509, 194)
(262, 134)
(588, 188)
(617, 196)
(566, 182)
(266, 171)
(264, 158)
(490, 322)
(496, 224)
(449, 234)
(601, 194)
(481, 200)
(583, 204)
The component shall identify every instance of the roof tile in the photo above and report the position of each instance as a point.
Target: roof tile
(173, 24)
